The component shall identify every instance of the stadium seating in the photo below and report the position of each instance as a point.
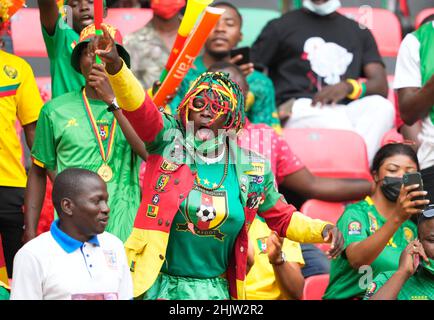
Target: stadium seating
(254, 21)
(327, 211)
(330, 152)
(315, 287)
(128, 20)
(378, 20)
(422, 15)
(27, 34)
(392, 136)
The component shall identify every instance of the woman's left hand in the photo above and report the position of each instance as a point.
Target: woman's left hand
(332, 234)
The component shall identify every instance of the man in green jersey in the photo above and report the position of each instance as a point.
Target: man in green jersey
(260, 102)
(412, 281)
(60, 37)
(76, 130)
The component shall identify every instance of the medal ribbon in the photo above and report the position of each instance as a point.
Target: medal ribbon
(92, 121)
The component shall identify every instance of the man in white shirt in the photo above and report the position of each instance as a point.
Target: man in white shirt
(415, 84)
(76, 259)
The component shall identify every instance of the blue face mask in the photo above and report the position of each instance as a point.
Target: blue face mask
(322, 9)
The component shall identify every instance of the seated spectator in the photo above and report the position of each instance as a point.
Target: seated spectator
(414, 81)
(291, 174)
(76, 259)
(315, 57)
(150, 46)
(260, 103)
(276, 271)
(412, 281)
(377, 229)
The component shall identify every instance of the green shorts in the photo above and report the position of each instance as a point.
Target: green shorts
(168, 287)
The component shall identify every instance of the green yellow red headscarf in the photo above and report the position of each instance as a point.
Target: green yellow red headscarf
(222, 95)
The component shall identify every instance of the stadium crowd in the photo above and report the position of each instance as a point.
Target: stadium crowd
(297, 166)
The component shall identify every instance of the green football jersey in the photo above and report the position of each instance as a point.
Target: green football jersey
(420, 286)
(59, 46)
(64, 139)
(358, 222)
(216, 216)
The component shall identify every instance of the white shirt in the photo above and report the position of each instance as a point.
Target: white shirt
(44, 270)
(408, 75)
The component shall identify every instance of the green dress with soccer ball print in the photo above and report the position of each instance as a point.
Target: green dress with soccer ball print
(195, 262)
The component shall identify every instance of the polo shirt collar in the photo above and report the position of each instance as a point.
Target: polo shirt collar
(66, 242)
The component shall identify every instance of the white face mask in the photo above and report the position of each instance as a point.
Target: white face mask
(322, 9)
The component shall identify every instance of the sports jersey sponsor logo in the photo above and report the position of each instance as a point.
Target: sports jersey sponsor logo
(373, 223)
(155, 199)
(371, 290)
(354, 228)
(162, 182)
(408, 234)
(169, 166)
(258, 169)
(254, 200)
(209, 216)
(258, 179)
(11, 72)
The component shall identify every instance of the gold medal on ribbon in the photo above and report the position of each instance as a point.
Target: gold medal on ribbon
(105, 172)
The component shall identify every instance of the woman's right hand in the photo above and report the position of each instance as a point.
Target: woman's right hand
(406, 206)
(410, 258)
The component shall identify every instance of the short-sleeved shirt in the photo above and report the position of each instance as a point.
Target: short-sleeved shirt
(358, 222)
(59, 46)
(260, 109)
(55, 266)
(418, 287)
(264, 140)
(261, 281)
(19, 100)
(148, 54)
(65, 139)
(408, 74)
(305, 52)
(217, 217)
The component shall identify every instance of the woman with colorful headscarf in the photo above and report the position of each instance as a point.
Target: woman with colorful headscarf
(201, 191)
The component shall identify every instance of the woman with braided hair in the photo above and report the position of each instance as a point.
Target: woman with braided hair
(201, 191)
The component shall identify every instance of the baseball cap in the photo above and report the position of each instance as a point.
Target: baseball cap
(87, 34)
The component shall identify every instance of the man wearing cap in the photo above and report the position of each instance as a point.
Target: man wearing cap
(60, 38)
(414, 279)
(76, 130)
(21, 103)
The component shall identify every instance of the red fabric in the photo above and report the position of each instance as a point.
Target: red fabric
(264, 140)
(47, 212)
(315, 287)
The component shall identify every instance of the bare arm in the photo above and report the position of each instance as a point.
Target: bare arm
(33, 200)
(366, 251)
(288, 274)
(328, 189)
(408, 263)
(29, 132)
(376, 79)
(130, 134)
(416, 103)
(49, 12)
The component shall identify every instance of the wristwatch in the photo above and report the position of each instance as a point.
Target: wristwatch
(113, 106)
(282, 259)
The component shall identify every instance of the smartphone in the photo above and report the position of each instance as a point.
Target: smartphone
(244, 51)
(414, 178)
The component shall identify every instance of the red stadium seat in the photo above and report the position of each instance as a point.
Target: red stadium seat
(128, 20)
(422, 15)
(330, 152)
(392, 136)
(27, 34)
(315, 287)
(44, 86)
(384, 25)
(327, 211)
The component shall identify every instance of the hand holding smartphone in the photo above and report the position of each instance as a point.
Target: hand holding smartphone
(244, 51)
(412, 178)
